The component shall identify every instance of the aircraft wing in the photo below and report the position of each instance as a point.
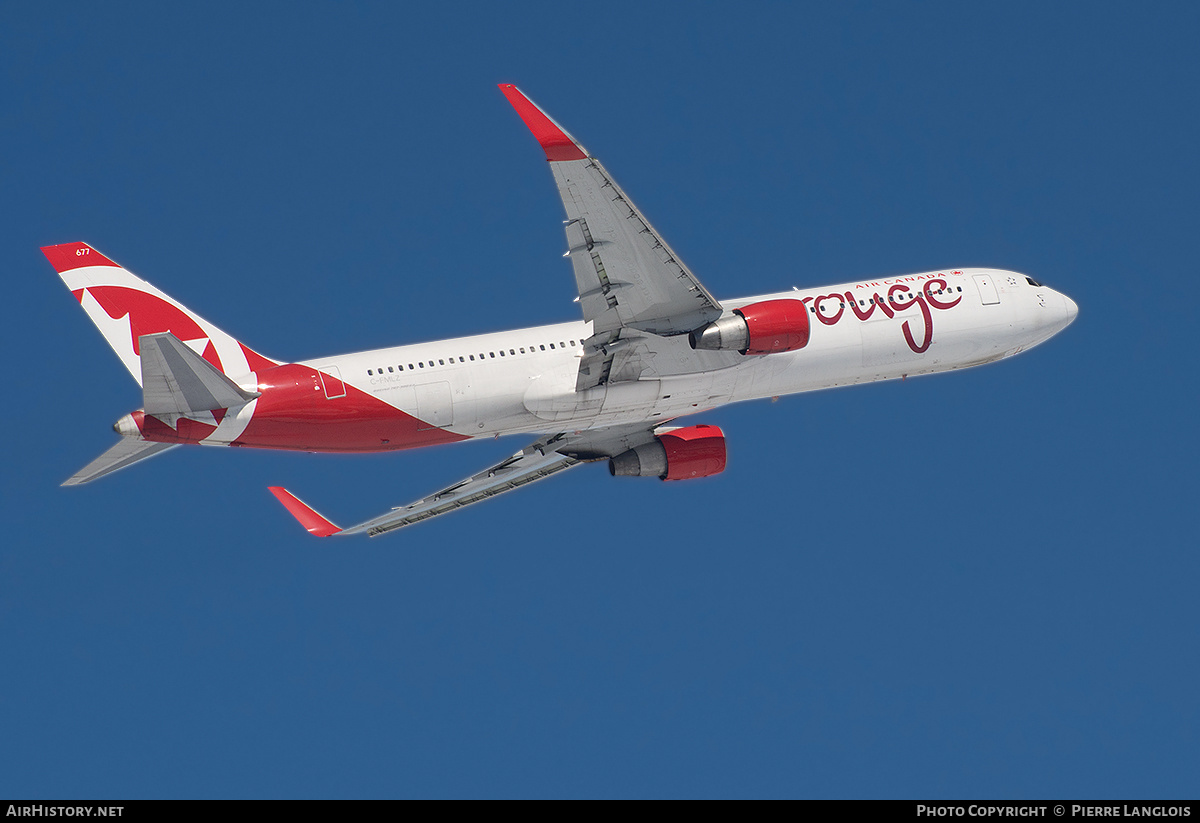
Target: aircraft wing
(539, 460)
(628, 277)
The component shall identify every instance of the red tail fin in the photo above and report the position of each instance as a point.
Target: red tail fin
(125, 307)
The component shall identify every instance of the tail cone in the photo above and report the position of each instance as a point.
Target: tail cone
(126, 427)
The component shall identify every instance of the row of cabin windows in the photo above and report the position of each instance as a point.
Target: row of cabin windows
(542, 347)
(871, 300)
(469, 357)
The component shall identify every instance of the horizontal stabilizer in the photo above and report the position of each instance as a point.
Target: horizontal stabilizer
(176, 380)
(125, 453)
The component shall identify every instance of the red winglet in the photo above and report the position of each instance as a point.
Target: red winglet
(553, 138)
(309, 519)
(69, 256)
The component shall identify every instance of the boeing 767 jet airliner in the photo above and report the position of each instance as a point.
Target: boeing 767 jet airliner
(653, 346)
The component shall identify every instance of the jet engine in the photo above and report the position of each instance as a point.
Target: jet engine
(759, 328)
(696, 451)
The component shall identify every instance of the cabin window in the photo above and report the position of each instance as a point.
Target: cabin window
(551, 345)
(400, 367)
(390, 369)
(441, 362)
(422, 365)
(522, 350)
(543, 348)
(369, 372)
(471, 356)
(512, 351)
(492, 354)
(502, 352)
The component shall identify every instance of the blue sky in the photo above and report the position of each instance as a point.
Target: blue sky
(970, 585)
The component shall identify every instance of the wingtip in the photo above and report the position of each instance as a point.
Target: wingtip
(67, 256)
(314, 523)
(553, 138)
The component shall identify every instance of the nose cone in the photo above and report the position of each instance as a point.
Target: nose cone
(1053, 311)
(1069, 310)
(1072, 309)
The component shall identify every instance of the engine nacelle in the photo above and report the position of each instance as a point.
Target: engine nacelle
(696, 451)
(759, 328)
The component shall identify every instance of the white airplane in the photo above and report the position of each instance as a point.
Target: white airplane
(653, 346)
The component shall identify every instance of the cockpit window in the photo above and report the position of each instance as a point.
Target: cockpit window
(1033, 282)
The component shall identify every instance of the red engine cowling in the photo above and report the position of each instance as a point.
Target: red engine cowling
(775, 325)
(696, 451)
(759, 328)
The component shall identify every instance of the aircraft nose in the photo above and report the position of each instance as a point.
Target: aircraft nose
(1071, 308)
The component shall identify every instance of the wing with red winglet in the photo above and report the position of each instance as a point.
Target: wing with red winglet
(628, 278)
(547, 456)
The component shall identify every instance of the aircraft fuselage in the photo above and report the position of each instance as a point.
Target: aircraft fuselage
(523, 381)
